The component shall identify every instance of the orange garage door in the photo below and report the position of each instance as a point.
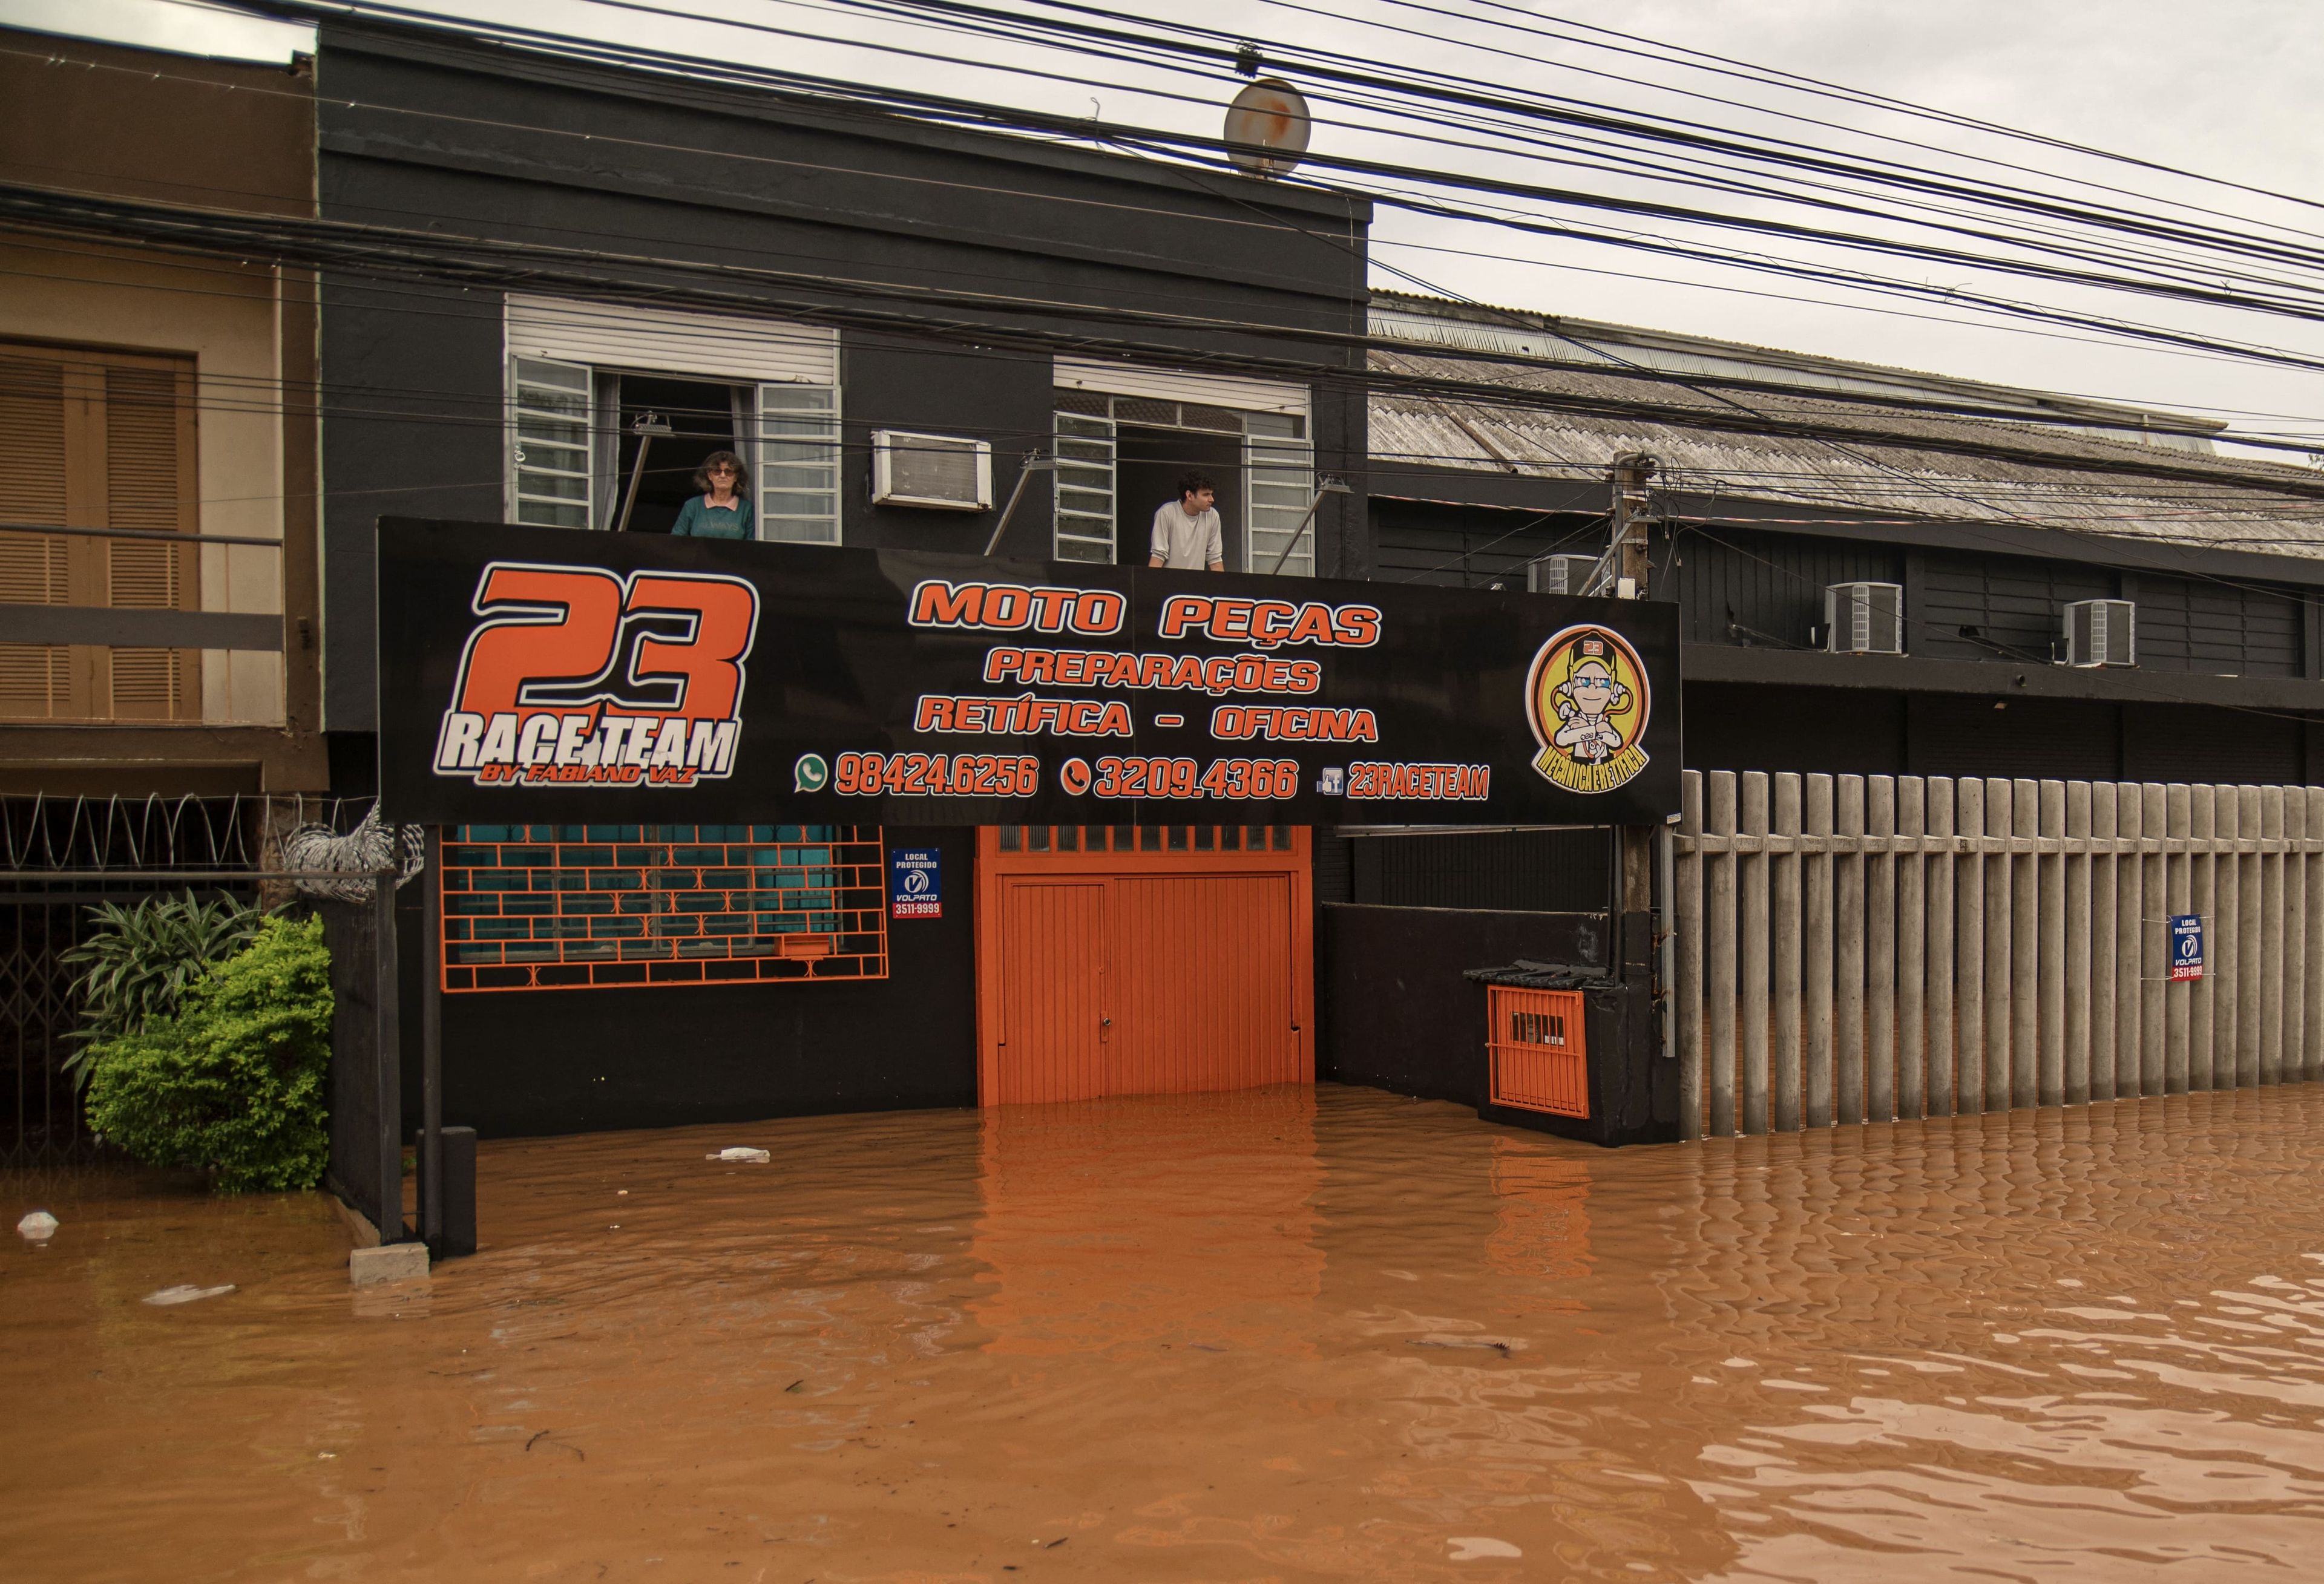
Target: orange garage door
(1109, 969)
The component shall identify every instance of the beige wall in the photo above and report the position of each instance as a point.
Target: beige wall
(225, 316)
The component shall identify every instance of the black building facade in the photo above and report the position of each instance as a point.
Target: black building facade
(888, 318)
(842, 298)
(1991, 529)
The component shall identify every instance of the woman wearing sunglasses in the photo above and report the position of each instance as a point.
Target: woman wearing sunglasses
(723, 509)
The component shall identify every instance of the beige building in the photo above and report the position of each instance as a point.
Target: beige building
(159, 580)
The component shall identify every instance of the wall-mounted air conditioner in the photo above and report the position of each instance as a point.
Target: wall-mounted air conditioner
(1561, 575)
(1864, 618)
(944, 473)
(2101, 633)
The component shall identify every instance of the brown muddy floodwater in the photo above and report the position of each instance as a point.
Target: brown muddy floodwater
(1280, 1335)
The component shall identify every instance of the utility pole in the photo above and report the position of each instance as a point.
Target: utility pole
(1635, 844)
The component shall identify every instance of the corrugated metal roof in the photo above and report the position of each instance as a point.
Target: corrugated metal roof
(2228, 507)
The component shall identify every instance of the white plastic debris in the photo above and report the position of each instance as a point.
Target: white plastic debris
(185, 1292)
(1476, 1548)
(38, 1227)
(742, 1152)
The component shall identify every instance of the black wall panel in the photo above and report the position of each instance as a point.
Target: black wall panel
(1394, 1008)
(2189, 743)
(1844, 731)
(1004, 398)
(2008, 605)
(412, 422)
(2062, 739)
(542, 1062)
(2218, 628)
(1735, 585)
(1521, 871)
(1460, 546)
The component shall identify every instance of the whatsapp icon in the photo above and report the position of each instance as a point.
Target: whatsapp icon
(810, 773)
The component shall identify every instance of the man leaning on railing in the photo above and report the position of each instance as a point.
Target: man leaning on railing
(1186, 532)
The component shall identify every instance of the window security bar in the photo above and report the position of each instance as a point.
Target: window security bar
(1327, 487)
(648, 429)
(1033, 463)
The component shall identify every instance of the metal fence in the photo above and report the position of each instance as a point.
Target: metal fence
(60, 857)
(1863, 948)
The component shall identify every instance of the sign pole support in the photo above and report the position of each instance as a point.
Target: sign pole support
(431, 1044)
(1642, 967)
(388, 1040)
(1632, 512)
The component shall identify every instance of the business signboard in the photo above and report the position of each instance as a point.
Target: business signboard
(545, 675)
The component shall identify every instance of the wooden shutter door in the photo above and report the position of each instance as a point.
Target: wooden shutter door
(147, 484)
(33, 681)
(98, 440)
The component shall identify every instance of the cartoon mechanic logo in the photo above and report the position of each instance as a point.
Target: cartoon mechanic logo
(1588, 696)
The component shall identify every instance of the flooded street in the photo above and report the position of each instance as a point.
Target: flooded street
(1288, 1334)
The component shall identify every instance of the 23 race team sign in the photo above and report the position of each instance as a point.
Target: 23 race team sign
(536, 674)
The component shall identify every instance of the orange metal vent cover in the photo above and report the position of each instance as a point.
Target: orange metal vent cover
(1534, 1038)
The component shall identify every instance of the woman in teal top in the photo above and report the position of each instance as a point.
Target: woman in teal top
(723, 509)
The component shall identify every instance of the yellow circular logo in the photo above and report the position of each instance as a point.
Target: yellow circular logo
(1588, 696)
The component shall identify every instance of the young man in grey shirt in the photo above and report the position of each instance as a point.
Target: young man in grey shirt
(1186, 532)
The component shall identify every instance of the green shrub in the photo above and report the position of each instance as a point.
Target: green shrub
(235, 1082)
(142, 960)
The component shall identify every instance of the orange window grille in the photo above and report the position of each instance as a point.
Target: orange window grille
(1539, 1061)
(587, 906)
(1145, 838)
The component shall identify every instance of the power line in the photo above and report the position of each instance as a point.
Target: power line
(1196, 147)
(404, 254)
(1725, 258)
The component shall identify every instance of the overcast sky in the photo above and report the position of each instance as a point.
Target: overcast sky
(2225, 88)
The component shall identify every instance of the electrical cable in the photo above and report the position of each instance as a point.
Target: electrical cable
(1727, 258)
(2055, 275)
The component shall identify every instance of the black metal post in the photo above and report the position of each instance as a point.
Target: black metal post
(431, 1043)
(390, 1054)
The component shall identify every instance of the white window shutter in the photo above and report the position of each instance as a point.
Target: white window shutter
(795, 477)
(551, 442)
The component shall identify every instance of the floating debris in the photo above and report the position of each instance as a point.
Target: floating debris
(740, 1151)
(185, 1293)
(38, 1227)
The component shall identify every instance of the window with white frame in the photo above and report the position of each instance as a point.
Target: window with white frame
(549, 412)
(798, 463)
(613, 410)
(1124, 436)
(1084, 486)
(1279, 462)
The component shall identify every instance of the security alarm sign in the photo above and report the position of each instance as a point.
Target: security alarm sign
(915, 882)
(2186, 945)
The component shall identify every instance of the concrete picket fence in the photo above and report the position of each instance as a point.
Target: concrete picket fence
(1863, 948)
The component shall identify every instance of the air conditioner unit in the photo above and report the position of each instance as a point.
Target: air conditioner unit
(941, 472)
(1561, 575)
(1864, 618)
(2101, 633)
